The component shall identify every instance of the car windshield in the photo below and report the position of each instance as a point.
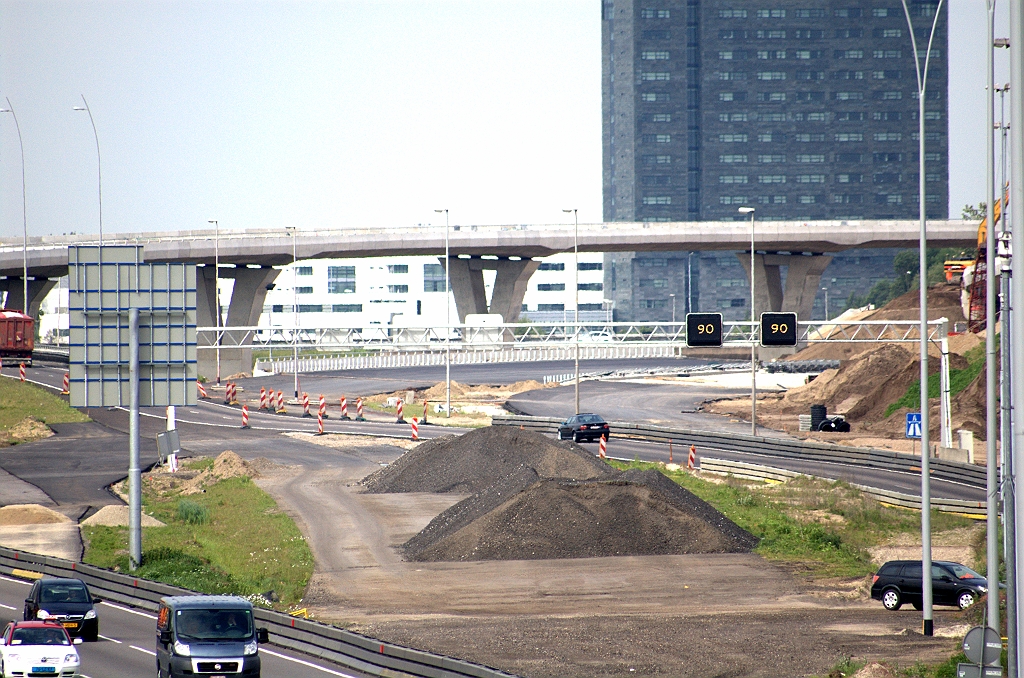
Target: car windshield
(63, 593)
(39, 636)
(213, 624)
(963, 572)
(590, 419)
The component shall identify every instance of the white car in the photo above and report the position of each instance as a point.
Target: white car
(38, 648)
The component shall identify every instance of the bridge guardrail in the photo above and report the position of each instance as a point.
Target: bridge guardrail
(741, 469)
(966, 474)
(355, 651)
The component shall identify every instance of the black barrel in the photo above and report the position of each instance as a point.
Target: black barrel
(818, 414)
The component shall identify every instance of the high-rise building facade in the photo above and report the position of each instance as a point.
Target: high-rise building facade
(800, 109)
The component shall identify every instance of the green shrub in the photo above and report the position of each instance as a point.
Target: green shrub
(192, 512)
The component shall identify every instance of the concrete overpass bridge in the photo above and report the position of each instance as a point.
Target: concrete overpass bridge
(249, 256)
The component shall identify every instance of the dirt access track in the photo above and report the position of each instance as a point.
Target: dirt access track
(692, 615)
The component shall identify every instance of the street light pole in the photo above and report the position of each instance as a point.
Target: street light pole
(216, 286)
(576, 265)
(753, 343)
(295, 318)
(689, 282)
(826, 303)
(24, 217)
(448, 323)
(926, 524)
(673, 308)
(99, 164)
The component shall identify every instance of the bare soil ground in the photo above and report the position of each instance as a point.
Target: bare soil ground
(730, 614)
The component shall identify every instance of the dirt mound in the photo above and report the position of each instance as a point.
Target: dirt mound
(481, 458)
(117, 516)
(30, 514)
(439, 390)
(632, 513)
(186, 482)
(229, 465)
(26, 430)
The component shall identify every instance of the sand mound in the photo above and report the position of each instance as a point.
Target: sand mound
(477, 460)
(117, 516)
(439, 391)
(875, 670)
(26, 430)
(186, 482)
(30, 514)
(633, 513)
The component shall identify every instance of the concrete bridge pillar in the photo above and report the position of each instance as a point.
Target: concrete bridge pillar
(38, 288)
(466, 277)
(803, 274)
(244, 308)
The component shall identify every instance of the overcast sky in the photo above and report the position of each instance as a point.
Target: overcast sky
(333, 114)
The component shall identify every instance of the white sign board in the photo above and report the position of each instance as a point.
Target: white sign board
(102, 287)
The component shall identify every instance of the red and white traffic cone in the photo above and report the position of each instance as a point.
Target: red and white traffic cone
(67, 384)
(344, 408)
(202, 390)
(305, 405)
(323, 407)
(21, 371)
(245, 416)
(263, 398)
(319, 423)
(425, 404)
(604, 447)
(670, 450)
(359, 410)
(280, 403)
(232, 393)
(398, 407)
(415, 424)
(691, 462)
(227, 393)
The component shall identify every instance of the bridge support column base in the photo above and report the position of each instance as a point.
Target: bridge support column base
(466, 277)
(38, 288)
(244, 308)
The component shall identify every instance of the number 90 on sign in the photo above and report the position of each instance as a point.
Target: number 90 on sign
(703, 329)
(778, 329)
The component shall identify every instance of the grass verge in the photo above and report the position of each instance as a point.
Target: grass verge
(958, 381)
(230, 539)
(19, 402)
(823, 528)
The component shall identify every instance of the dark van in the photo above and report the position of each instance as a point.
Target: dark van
(210, 636)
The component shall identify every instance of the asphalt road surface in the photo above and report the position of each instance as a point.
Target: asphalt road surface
(127, 638)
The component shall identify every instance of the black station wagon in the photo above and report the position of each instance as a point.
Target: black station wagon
(899, 581)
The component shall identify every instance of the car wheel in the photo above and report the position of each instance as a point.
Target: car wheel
(91, 636)
(965, 599)
(576, 437)
(891, 599)
(918, 605)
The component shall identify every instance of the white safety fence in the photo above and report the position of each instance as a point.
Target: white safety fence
(434, 358)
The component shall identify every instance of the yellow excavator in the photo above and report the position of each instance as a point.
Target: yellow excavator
(973, 275)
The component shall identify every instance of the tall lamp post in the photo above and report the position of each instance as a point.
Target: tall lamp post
(753, 321)
(99, 164)
(295, 318)
(448, 324)
(673, 297)
(216, 287)
(576, 284)
(24, 218)
(926, 525)
(826, 303)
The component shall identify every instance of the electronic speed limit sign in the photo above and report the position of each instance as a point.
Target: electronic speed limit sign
(703, 329)
(778, 329)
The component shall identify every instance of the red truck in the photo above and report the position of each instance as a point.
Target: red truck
(17, 337)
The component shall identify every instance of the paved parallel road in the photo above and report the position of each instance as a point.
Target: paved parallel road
(127, 638)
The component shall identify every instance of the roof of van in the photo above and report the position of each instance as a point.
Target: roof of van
(205, 602)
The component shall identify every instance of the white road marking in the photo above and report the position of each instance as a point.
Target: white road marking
(15, 581)
(7, 607)
(142, 649)
(129, 610)
(305, 663)
(113, 640)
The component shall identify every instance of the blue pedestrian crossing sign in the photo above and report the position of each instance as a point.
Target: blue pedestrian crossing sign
(913, 424)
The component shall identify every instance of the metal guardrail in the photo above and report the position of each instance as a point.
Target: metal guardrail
(965, 474)
(349, 649)
(740, 469)
(57, 354)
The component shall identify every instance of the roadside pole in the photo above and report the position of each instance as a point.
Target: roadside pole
(992, 481)
(1017, 282)
(134, 471)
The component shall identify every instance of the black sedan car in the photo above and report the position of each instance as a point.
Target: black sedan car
(66, 602)
(899, 581)
(582, 427)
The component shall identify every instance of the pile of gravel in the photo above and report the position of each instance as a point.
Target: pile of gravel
(483, 458)
(634, 513)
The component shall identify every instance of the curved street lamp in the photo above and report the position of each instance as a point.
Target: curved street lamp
(24, 217)
(99, 164)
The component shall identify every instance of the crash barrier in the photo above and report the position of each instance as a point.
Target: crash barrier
(941, 469)
(740, 469)
(470, 357)
(51, 353)
(800, 366)
(302, 635)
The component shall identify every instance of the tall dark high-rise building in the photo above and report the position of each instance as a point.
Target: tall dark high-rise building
(800, 109)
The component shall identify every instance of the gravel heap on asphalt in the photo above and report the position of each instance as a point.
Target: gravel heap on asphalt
(480, 459)
(527, 518)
